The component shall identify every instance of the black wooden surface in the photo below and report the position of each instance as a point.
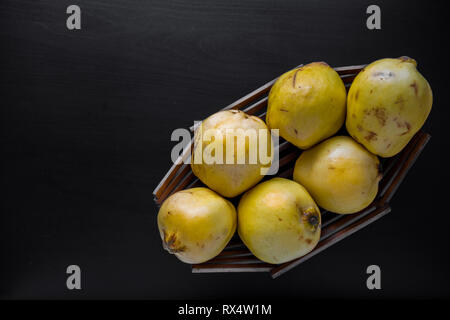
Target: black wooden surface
(87, 118)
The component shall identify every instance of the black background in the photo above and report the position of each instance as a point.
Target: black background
(87, 118)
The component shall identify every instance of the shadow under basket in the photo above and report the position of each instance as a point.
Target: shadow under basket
(236, 257)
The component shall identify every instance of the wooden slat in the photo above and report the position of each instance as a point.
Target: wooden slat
(235, 253)
(258, 106)
(342, 221)
(350, 69)
(287, 174)
(235, 243)
(231, 260)
(186, 180)
(387, 170)
(168, 190)
(195, 183)
(213, 268)
(331, 220)
(291, 157)
(284, 145)
(348, 78)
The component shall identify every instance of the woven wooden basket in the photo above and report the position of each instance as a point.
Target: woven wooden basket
(236, 257)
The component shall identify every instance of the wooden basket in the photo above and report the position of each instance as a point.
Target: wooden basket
(236, 257)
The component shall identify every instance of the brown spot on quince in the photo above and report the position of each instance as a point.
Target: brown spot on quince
(171, 243)
(295, 76)
(415, 87)
(371, 136)
(380, 114)
(408, 128)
